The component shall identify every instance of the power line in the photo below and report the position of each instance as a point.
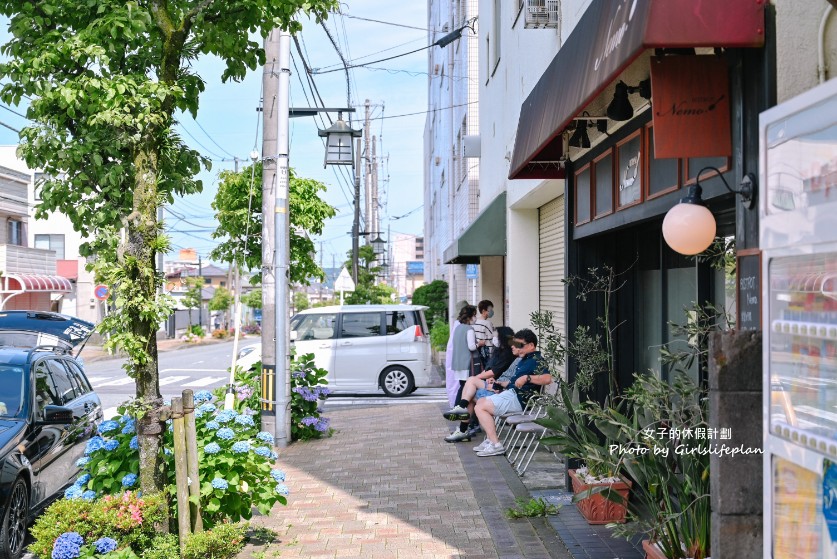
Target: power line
(13, 111)
(426, 112)
(376, 52)
(318, 71)
(213, 139)
(386, 22)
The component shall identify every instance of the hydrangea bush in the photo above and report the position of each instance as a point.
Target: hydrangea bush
(70, 545)
(236, 463)
(308, 389)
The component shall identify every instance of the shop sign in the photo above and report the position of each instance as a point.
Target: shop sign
(690, 97)
(630, 177)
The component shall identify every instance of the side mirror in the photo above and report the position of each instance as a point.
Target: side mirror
(293, 335)
(56, 415)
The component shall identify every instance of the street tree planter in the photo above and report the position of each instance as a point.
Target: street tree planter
(596, 508)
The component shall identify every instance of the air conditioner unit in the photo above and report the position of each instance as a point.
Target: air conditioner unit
(438, 160)
(436, 70)
(542, 14)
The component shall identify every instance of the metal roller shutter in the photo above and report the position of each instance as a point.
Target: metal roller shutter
(551, 253)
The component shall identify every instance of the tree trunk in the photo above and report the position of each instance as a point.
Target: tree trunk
(140, 258)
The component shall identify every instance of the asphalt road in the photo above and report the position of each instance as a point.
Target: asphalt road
(207, 367)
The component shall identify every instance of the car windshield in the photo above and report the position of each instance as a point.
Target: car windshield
(11, 390)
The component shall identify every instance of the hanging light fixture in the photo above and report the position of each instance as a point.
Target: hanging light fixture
(339, 142)
(378, 244)
(580, 139)
(620, 108)
(689, 227)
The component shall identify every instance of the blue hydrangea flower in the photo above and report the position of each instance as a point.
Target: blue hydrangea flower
(105, 545)
(246, 420)
(219, 483)
(89, 495)
(72, 492)
(108, 426)
(225, 433)
(273, 456)
(94, 444)
(82, 480)
(82, 462)
(112, 444)
(277, 475)
(226, 416)
(129, 480)
(67, 546)
(130, 427)
(241, 447)
(282, 489)
(214, 425)
(212, 448)
(134, 444)
(322, 424)
(198, 413)
(310, 420)
(263, 451)
(265, 437)
(207, 408)
(203, 396)
(167, 451)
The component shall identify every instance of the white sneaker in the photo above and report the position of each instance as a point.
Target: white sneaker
(482, 445)
(492, 450)
(457, 436)
(457, 413)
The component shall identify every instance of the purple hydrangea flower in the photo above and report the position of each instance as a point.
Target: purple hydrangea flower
(306, 394)
(322, 424)
(309, 421)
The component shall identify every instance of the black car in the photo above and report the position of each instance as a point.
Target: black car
(48, 411)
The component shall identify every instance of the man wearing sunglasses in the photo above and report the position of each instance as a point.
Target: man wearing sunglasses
(530, 375)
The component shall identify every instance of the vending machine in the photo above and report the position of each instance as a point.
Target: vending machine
(798, 239)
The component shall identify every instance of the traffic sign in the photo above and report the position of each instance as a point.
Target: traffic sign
(101, 292)
(471, 271)
(344, 281)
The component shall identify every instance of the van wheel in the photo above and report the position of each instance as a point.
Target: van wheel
(13, 531)
(397, 381)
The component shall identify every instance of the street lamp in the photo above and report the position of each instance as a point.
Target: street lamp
(378, 244)
(339, 142)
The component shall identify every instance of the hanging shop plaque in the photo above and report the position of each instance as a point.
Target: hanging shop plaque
(629, 170)
(690, 100)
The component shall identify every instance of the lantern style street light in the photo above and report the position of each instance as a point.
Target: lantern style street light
(339, 142)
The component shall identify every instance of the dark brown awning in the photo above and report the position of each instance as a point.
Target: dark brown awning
(609, 36)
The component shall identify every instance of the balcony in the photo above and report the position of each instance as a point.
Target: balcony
(16, 259)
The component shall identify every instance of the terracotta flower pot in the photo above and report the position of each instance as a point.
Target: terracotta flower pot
(597, 509)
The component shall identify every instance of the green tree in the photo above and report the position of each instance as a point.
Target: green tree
(106, 81)
(253, 299)
(435, 296)
(221, 300)
(301, 301)
(366, 292)
(193, 297)
(238, 211)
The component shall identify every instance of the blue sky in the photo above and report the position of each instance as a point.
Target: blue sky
(228, 124)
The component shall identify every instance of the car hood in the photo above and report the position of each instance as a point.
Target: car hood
(34, 328)
(10, 430)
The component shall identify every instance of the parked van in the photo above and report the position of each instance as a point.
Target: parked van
(364, 347)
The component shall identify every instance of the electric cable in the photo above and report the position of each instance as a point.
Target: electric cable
(213, 140)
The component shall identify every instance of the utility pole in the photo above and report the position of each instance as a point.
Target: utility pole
(356, 222)
(376, 225)
(367, 175)
(282, 230)
(270, 127)
(320, 298)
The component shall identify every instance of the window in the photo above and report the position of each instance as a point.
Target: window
(314, 326)
(603, 175)
(79, 377)
(361, 325)
(51, 242)
(64, 386)
(582, 195)
(14, 233)
(45, 392)
(207, 281)
(629, 170)
(400, 321)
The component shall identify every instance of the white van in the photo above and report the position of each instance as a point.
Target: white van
(365, 347)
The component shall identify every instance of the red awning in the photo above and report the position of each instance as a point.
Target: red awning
(609, 36)
(38, 282)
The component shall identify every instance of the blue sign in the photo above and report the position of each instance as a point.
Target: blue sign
(257, 315)
(471, 271)
(415, 267)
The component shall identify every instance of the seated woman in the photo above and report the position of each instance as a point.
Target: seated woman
(499, 370)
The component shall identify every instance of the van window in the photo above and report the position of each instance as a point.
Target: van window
(314, 326)
(398, 321)
(361, 325)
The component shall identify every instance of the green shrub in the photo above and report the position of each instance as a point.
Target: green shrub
(164, 546)
(439, 335)
(435, 296)
(197, 330)
(307, 389)
(127, 519)
(222, 542)
(248, 388)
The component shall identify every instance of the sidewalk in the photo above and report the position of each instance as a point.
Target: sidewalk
(385, 485)
(92, 353)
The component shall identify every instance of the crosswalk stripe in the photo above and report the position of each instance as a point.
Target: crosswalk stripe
(118, 382)
(171, 380)
(204, 381)
(110, 412)
(94, 380)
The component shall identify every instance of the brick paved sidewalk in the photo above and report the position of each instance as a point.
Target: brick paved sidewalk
(387, 486)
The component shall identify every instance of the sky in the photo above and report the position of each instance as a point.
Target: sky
(229, 126)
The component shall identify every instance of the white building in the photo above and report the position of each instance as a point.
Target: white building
(405, 251)
(451, 196)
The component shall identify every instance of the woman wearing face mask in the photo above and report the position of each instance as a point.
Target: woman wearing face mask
(484, 329)
(463, 356)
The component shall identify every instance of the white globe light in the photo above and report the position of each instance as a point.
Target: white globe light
(689, 228)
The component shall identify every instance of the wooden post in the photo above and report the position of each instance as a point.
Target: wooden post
(181, 480)
(192, 460)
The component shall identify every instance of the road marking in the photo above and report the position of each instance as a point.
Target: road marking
(195, 370)
(119, 382)
(94, 380)
(171, 380)
(110, 412)
(204, 381)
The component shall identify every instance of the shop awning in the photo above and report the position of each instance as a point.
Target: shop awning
(37, 282)
(486, 236)
(609, 36)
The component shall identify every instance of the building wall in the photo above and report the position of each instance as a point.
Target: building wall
(798, 39)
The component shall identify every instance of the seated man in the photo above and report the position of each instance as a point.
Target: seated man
(528, 377)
